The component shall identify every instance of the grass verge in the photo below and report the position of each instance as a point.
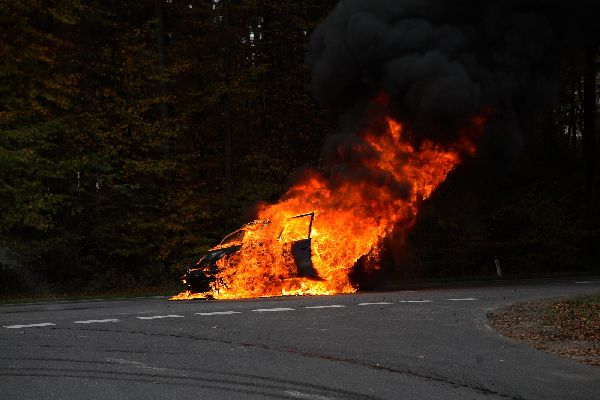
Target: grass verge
(566, 327)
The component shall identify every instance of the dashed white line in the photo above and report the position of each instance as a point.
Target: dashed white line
(162, 316)
(584, 282)
(96, 321)
(278, 309)
(29, 325)
(464, 299)
(416, 301)
(218, 313)
(307, 396)
(330, 306)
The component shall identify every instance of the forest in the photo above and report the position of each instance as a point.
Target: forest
(135, 134)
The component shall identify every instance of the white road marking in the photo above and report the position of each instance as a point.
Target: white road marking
(96, 321)
(584, 282)
(381, 303)
(331, 306)
(218, 313)
(308, 396)
(29, 325)
(273, 309)
(464, 299)
(416, 301)
(162, 316)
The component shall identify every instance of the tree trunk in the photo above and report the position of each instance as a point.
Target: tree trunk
(551, 144)
(589, 115)
(227, 129)
(162, 84)
(161, 56)
(589, 142)
(572, 123)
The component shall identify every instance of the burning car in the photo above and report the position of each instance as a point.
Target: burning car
(283, 254)
(203, 275)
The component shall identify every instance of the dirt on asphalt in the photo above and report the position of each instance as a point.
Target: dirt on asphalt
(566, 327)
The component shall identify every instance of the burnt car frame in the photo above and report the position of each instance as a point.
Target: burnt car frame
(202, 276)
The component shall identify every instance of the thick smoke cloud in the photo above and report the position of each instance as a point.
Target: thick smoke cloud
(442, 61)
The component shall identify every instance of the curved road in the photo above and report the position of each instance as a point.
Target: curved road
(426, 344)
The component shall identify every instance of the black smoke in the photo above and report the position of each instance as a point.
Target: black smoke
(443, 61)
(440, 63)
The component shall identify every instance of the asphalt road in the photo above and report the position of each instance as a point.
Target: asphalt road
(425, 344)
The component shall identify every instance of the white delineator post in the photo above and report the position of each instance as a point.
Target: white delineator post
(498, 270)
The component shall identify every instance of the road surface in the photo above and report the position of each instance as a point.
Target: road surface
(424, 344)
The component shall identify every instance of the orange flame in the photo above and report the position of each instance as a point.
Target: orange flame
(351, 219)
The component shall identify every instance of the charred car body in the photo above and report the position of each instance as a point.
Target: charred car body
(202, 276)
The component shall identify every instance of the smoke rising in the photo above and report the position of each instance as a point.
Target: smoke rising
(442, 61)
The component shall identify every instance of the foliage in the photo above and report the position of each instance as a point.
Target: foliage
(97, 190)
(115, 165)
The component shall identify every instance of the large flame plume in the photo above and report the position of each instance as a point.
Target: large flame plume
(351, 217)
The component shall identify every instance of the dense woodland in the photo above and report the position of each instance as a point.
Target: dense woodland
(133, 135)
